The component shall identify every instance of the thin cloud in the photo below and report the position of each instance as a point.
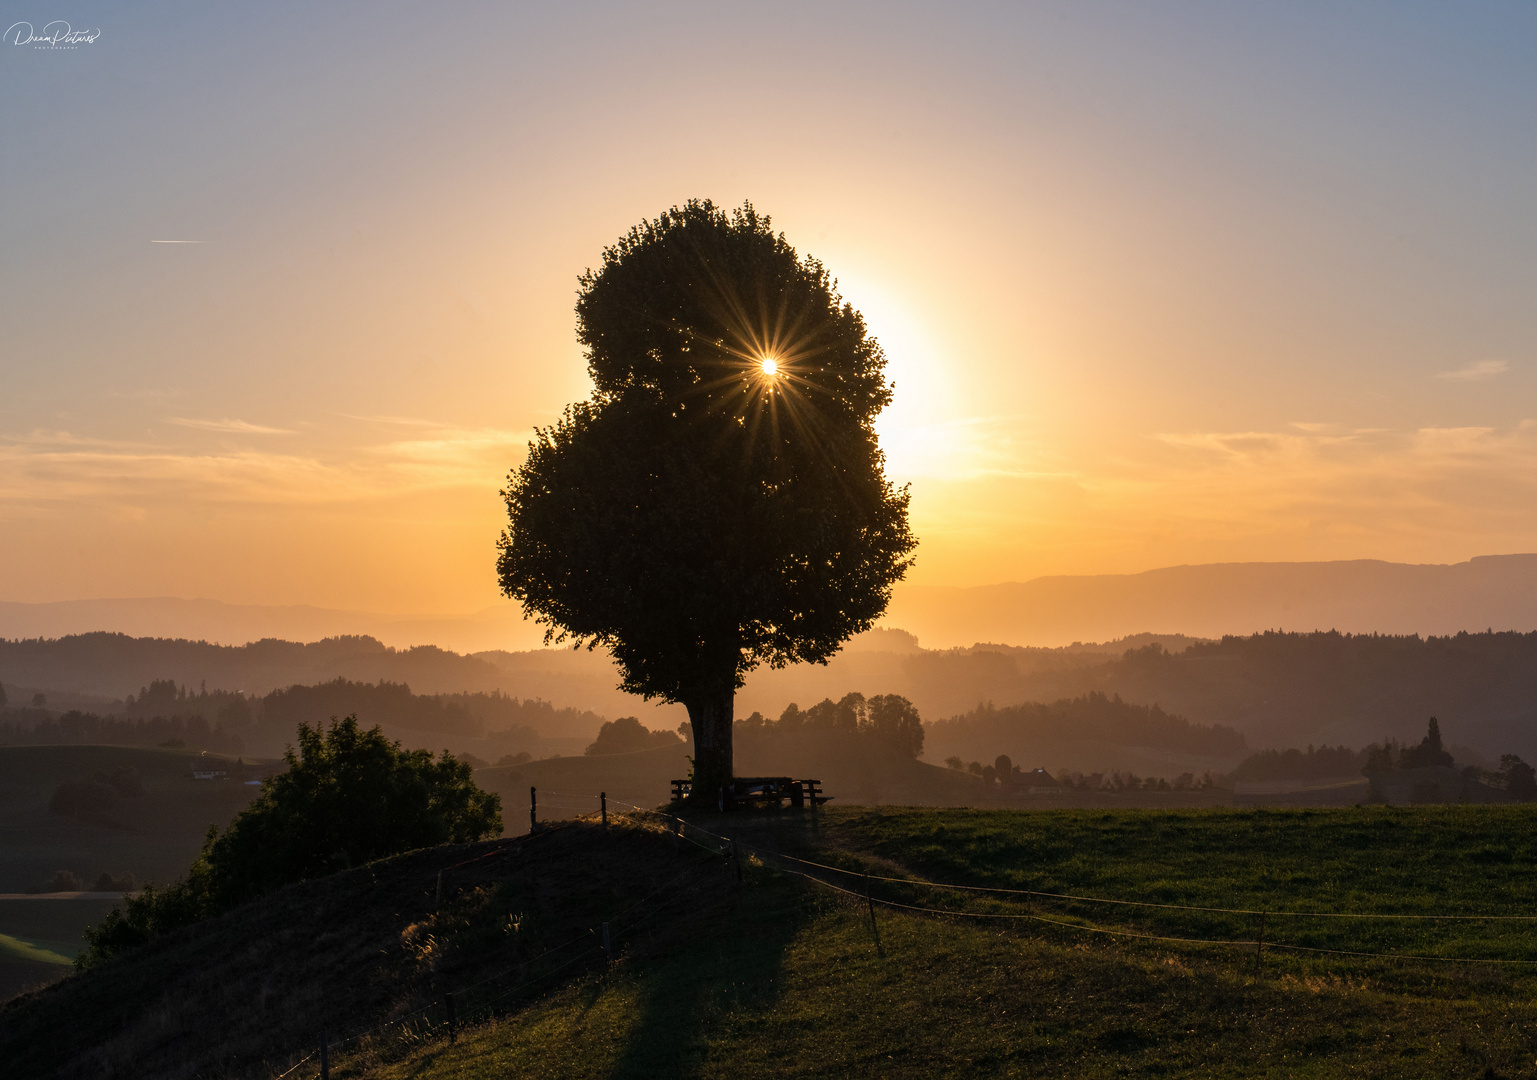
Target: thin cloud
(50, 467)
(1476, 372)
(237, 427)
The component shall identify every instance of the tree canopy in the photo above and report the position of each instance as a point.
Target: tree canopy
(720, 501)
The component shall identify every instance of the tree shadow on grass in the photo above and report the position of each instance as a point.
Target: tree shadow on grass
(732, 965)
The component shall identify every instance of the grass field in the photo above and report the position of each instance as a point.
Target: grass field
(780, 976)
(154, 836)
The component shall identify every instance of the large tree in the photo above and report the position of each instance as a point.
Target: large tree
(720, 501)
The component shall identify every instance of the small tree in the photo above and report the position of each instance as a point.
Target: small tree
(1004, 767)
(1428, 753)
(719, 502)
(627, 735)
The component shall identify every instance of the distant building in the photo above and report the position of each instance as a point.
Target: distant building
(1038, 782)
(1435, 784)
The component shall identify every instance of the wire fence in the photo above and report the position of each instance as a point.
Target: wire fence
(687, 834)
(805, 868)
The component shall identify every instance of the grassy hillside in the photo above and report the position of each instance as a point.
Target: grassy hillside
(778, 976)
(153, 836)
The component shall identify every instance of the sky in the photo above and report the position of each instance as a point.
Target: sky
(1159, 283)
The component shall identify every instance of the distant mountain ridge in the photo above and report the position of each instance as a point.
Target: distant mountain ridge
(499, 627)
(1496, 592)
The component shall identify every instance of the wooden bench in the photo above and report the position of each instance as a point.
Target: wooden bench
(746, 790)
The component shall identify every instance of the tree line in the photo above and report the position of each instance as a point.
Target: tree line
(889, 719)
(167, 714)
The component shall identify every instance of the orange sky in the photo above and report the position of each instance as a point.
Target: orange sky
(1157, 286)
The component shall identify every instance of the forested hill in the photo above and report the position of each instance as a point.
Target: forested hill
(1284, 689)
(116, 665)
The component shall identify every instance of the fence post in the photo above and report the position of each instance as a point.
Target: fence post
(533, 810)
(437, 897)
(608, 945)
(869, 899)
(453, 1020)
(603, 805)
(325, 1058)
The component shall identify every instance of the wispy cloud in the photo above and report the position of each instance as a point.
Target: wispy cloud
(53, 466)
(1476, 371)
(236, 427)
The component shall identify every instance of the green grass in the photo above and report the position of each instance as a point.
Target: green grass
(15, 949)
(1430, 860)
(779, 977)
(154, 837)
(56, 925)
(792, 985)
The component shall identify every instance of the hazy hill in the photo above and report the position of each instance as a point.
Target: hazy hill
(1362, 596)
(501, 626)
(117, 665)
(1277, 690)
(1292, 689)
(1358, 596)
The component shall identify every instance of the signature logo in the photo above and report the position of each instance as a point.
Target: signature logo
(56, 35)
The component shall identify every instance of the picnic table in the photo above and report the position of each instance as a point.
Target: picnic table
(763, 790)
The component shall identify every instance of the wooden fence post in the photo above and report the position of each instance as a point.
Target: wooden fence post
(533, 810)
(608, 945)
(453, 1020)
(437, 898)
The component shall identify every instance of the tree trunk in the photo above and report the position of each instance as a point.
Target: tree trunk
(709, 714)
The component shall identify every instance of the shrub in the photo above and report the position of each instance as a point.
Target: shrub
(348, 797)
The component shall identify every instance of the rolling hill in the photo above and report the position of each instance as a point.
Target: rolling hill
(778, 974)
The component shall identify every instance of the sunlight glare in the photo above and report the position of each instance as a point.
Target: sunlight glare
(770, 366)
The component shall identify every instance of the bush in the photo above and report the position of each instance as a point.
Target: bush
(349, 797)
